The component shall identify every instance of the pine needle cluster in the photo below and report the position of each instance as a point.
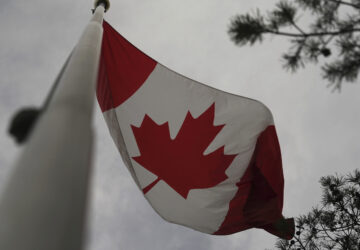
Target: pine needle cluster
(334, 27)
(334, 226)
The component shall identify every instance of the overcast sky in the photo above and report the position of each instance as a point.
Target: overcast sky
(317, 129)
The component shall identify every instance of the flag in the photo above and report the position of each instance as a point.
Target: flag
(203, 158)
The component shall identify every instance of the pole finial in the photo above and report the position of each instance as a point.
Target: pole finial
(105, 3)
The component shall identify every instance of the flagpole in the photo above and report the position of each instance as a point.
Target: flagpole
(43, 205)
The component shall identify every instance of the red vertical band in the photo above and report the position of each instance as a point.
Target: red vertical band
(123, 69)
(259, 200)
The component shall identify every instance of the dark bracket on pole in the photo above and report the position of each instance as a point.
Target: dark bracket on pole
(105, 3)
(22, 123)
(24, 120)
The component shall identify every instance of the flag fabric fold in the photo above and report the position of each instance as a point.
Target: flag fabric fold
(203, 158)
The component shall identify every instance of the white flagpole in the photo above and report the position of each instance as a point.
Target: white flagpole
(43, 206)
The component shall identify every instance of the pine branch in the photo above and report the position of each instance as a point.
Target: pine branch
(328, 31)
(327, 234)
(298, 28)
(346, 3)
(335, 33)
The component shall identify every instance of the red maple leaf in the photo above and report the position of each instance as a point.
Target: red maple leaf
(181, 162)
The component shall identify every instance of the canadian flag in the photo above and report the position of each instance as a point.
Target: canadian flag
(203, 158)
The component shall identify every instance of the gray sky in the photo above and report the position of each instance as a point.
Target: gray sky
(318, 130)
